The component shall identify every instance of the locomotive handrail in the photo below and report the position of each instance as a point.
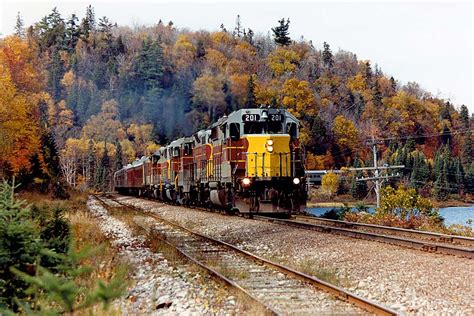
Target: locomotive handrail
(291, 172)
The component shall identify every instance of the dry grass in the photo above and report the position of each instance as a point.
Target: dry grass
(86, 233)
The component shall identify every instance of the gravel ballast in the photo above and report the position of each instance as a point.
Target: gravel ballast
(159, 287)
(408, 280)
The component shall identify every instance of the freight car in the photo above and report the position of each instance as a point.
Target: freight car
(247, 162)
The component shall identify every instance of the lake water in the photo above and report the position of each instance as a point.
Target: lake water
(451, 215)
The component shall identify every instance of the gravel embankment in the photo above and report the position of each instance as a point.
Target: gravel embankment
(410, 281)
(158, 287)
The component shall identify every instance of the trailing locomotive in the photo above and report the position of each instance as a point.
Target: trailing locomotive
(247, 162)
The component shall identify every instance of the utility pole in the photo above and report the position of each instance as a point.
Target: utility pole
(378, 177)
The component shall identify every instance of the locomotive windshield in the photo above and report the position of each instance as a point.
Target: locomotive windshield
(263, 128)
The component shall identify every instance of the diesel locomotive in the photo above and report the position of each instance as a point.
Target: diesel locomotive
(247, 162)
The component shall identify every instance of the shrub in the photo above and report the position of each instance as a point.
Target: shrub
(40, 270)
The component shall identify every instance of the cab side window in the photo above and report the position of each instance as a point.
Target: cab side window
(234, 131)
(292, 129)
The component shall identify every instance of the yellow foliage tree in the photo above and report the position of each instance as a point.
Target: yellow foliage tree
(216, 61)
(357, 83)
(238, 87)
(345, 132)
(20, 94)
(141, 135)
(209, 95)
(183, 52)
(330, 183)
(283, 60)
(104, 126)
(298, 97)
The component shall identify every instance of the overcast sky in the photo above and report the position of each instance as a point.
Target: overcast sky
(426, 42)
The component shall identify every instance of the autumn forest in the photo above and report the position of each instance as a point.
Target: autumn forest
(80, 97)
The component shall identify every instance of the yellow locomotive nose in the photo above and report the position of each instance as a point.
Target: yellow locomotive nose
(268, 156)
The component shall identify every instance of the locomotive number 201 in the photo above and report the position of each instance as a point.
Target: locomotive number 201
(275, 117)
(250, 117)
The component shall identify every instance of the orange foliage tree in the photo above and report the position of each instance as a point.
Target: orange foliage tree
(20, 93)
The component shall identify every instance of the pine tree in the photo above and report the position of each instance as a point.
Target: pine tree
(466, 151)
(118, 156)
(88, 23)
(55, 74)
(238, 30)
(150, 65)
(393, 86)
(469, 179)
(377, 94)
(459, 176)
(19, 26)
(102, 182)
(358, 189)
(200, 49)
(20, 246)
(446, 112)
(420, 171)
(73, 32)
(281, 33)
(91, 163)
(464, 115)
(318, 142)
(250, 102)
(441, 184)
(248, 36)
(369, 76)
(328, 60)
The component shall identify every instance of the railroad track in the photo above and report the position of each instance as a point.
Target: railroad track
(279, 289)
(425, 241)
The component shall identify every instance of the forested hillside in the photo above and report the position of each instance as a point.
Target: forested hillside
(81, 97)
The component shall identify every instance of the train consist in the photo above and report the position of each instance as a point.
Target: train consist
(247, 162)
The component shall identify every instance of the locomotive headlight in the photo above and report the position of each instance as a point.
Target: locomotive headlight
(245, 181)
(296, 181)
(270, 142)
(270, 149)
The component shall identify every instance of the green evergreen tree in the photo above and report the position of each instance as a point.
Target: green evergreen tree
(248, 36)
(20, 245)
(149, 66)
(73, 33)
(281, 33)
(328, 59)
(377, 94)
(464, 115)
(318, 141)
(103, 172)
(358, 189)
(445, 113)
(118, 156)
(420, 171)
(441, 185)
(55, 74)
(393, 86)
(250, 101)
(467, 152)
(19, 26)
(469, 179)
(459, 175)
(91, 164)
(88, 23)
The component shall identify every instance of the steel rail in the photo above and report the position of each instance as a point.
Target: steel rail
(354, 233)
(212, 272)
(338, 292)
(438, 237)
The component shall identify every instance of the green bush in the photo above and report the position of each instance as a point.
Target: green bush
(40, 272)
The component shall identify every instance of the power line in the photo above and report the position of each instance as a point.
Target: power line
(429, 135)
